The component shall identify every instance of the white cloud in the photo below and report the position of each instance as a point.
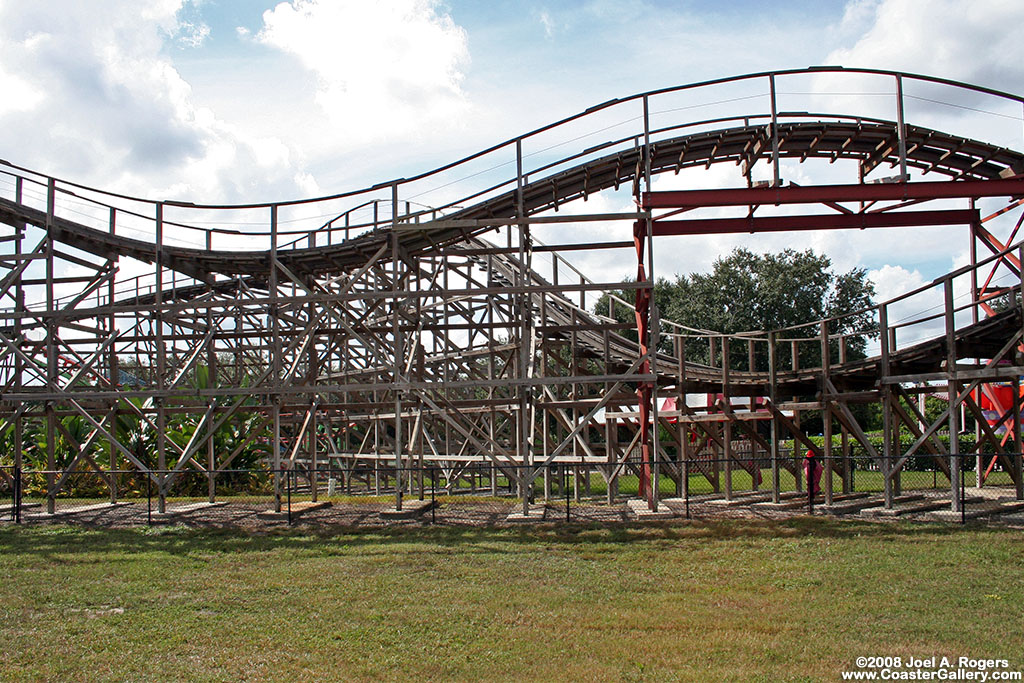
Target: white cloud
(384, 69)
(959, 40)
(892, 281)
(19, 94)
(104, 105)
(547, 23)
(962, 41)
(193, 35)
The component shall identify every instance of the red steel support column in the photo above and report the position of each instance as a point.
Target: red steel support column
(644, 390)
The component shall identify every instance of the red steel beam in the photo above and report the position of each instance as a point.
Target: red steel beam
(830, 221)
(800, 194)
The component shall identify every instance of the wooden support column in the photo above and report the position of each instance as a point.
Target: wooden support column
(655, 428)
(897, 474)
(161, 365)
(776, 182)
(211, 373)
(774, 425)
(901, 129)
(726, 424)
(493, 415)
(396, 333)
(275, 361)
(848, 468)
(826, 411)
(979, 465)
(418, 445)
(112, 370)
(524, 328)
(314, 479)
(51, 350)
(376, 449)
(17, 362)
(955, 473)
(312, 363)
(794, 352)
(683, 484)
(888, 456)
(19, 307)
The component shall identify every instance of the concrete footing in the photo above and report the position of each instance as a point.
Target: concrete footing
(1008, 509)
(639, 509)
(79, 510)
(173, 510)
(536, 513)
(411, 509)
(8, 509)
(297, 509)
(751, 497)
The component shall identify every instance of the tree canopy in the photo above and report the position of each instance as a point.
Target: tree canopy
(745, 291)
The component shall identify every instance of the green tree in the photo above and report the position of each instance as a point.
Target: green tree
(745, 292)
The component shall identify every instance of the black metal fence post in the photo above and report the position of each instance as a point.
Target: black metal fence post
(149, 500)
(288, 486)
(686, 486)
(565, 485)
(399, 488)
(16, 511)
(433, 496)
(963, 496)
(812, 469)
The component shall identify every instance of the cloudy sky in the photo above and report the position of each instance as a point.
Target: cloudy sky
(230, 101)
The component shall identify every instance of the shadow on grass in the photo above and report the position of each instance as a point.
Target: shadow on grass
(69, 540)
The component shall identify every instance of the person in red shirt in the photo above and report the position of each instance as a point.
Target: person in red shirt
(812, 470)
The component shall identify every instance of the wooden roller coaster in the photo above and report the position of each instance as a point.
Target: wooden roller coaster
(397, 333)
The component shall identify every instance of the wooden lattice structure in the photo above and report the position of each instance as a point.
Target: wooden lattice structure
(368, 331)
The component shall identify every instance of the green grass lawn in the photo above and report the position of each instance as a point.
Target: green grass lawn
(730, 600)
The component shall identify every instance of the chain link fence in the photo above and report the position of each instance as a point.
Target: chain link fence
(494, 494)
